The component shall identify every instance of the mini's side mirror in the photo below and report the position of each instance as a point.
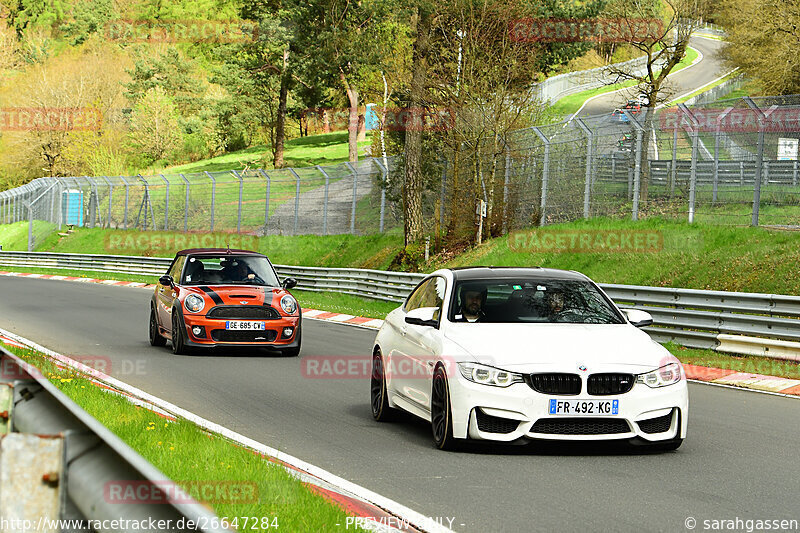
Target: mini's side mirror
(638, 317)
(289, 283)
(167, 281)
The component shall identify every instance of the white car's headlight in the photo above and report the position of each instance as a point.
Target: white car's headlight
(666, 375)
(194, 303)
(288, 304)
(486, 375)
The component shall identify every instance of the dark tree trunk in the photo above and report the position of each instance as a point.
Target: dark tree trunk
(280, 123)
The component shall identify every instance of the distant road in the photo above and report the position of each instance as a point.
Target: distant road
(685, 80)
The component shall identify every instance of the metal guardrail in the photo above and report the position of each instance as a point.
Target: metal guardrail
(689, 317)
(79, 457)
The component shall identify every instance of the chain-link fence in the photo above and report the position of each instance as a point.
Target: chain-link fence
(725, 162)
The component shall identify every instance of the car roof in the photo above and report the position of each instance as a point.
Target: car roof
(489, 272)
(216, 252)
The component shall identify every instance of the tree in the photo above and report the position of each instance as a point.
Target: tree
(763, 39)
(154, 125)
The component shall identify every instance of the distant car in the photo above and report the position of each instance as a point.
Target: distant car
(228, 298)
(518, 354)
(619, 116)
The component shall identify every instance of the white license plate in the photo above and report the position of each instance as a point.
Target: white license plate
(244, 325)
(584, 407)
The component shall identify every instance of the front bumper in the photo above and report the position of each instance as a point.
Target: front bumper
(271, 336)
(517, 412)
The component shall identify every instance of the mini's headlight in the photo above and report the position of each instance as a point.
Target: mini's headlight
(288, 304)
(666, 375)
(194, 303)
(486, 375)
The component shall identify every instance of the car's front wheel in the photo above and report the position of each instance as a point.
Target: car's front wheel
(441, 411)
(178, 345)
(155, 337)
(377, 391)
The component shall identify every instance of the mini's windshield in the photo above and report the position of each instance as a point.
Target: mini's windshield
(229, 270)
(531, 301)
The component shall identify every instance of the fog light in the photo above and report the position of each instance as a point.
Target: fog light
(287, 332)
(199, 331)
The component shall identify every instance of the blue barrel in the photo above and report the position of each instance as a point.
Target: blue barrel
(371, 121)
(72, 207)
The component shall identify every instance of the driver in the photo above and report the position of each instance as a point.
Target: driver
(555, 302)
(237, 270)
(472, 298)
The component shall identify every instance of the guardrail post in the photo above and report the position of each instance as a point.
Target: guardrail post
(545, 174)
(166, 204)
(384, 184)
(296, 200)
(588, 186)
(325, 200)
(185, 205)
(213, 196)
(241, 190)
(759, 159)
(355, 189)
(266, 209)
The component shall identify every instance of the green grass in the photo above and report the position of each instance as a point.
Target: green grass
(192, 457)
(15, 236)
(322, 149)
(571, 103)
(738, 363)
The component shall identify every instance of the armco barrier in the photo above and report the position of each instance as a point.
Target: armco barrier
(63, 459)
(694, 318)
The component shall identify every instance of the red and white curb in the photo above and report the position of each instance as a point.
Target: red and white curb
(373, 512)
(315, 314)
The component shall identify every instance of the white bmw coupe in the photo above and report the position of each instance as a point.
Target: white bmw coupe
(510, 354)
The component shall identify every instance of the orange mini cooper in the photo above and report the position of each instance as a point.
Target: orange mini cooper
(217, 297)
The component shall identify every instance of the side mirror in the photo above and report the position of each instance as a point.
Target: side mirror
(167, 281)
(638, 317)
(289, 283)
(423, 316)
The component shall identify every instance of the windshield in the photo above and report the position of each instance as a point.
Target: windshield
(229, 270)
(531, 301)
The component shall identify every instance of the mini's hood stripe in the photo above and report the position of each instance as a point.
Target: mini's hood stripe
(211, 294)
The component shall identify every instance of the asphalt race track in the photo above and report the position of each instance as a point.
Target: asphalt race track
(683, 81)
(739, 459)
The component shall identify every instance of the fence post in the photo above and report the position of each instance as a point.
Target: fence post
(125, 217)
(296, 200)
(241, 190)
(545, 174)
(213, 196)
(588, 185)
(266, 209)
(693, 174)
(92, 201)
(185, 205)
(759, 159)
(384, 184)
(637, 164)
(741, 173)
(674, 170)
(166, 204)
(110, 193)
(715, 186)
(30, 226)
(325, 201)
(794, 173)
(355, 192)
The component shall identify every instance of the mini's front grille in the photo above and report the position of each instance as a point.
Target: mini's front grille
(244, 312)
(656, 425)
(495, 424)
(226, 335)
(580, 426)
(555, 383)
(609, 384)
